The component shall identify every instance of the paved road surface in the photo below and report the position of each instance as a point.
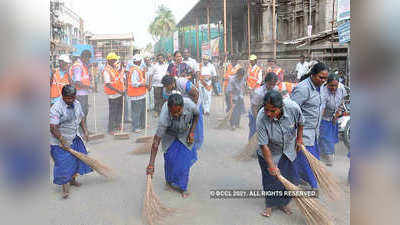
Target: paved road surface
(119, 202)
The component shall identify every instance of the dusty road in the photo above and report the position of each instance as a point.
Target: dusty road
(119, 202)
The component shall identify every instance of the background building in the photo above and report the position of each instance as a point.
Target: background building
(66, 29)
(121, 44)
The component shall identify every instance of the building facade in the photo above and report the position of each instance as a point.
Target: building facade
(121, 44)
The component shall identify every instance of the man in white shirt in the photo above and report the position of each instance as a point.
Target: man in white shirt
(207, 72)
(190, 62)
(302, 67)
(156, 74)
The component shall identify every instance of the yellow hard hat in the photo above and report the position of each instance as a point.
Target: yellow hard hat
(252, 57)
(112, 55)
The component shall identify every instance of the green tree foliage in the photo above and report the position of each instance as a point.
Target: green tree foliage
(163, 24)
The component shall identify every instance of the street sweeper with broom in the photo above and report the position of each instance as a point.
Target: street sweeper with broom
(307, 95)
(280, 134)
(176, 128)
(235, 91)
(66, 116)
(187, 89)
(333, 93)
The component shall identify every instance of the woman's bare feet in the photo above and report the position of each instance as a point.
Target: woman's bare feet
(75, 183)
(65, 193)
(286, 210)
(185, 194)
(267, 212)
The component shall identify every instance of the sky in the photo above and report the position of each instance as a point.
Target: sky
(124, 16)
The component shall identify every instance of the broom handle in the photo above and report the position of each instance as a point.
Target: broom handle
(123, 112)
(94, 109)
(145, 119)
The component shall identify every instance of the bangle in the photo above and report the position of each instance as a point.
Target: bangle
(150, 167)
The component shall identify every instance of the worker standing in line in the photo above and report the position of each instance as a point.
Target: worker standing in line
(114, 89)
(66, 116)
(207, 72)
(81, 79)
(254, 74)
(59, 78)
(136, 91)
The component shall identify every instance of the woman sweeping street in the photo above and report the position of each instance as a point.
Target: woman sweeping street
(186, 89)
(333, 93)
(280, 133)
(307, 95)
(235, 91)
(176, 128)
(66, 116)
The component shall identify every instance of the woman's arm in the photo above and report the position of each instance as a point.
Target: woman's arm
(153, 154)
(272, 168)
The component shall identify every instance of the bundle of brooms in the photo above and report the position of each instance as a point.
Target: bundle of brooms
(249, 150)
(93, 163)
(153, 210)
(326, 180)
(311, 208)
(224, 124)
(142, 149)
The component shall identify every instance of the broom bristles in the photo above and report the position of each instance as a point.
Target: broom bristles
(93, 163)
(144, 148)
(326, 180)
(225, 122)
(153, 210)
(144, 139)
(248, 150)
(311, 208)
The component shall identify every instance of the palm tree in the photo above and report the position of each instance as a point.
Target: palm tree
(163, 24)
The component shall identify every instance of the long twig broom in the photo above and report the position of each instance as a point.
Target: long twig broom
(225, 122)
(326, 180)
(153, 210)
(144, 148)
(249, 150)
(311, 208)
(93, 163)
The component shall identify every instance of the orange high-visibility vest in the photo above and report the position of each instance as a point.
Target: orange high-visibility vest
(286, 86)
(85, 79)
(231, 70)
(277, 70)
(58, 83)
(252, 77)
(136, 91)
(116, 80)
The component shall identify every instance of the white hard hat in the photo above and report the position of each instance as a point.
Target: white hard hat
(137, 57)
(65, 58)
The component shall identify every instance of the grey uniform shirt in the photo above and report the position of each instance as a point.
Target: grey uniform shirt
(68, 118)
(236, 87)
(306, 95)
(280, 135)
(331, 102)
(169, 128)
